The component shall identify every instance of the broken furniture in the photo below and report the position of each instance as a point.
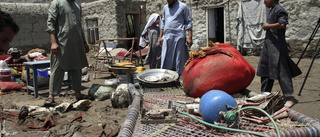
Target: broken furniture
(34, 66)
(108, 59)
(154, 116)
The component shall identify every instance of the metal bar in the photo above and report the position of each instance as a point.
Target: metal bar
(157, 121)
(118, 38)
(140, 56)
(100, 59)
(161, 130)
(130, 121)
(310, 39)
(132, 45)
(316, 53)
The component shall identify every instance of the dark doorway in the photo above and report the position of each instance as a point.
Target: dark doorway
(216, 25)
(133, 29)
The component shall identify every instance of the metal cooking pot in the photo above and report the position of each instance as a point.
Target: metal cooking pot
(157, 77)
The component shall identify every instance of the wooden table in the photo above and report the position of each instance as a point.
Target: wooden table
(37, 65)
(34, 66)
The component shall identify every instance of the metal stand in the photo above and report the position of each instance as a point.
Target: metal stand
(109, 59)
(316, 53)
(310, 39)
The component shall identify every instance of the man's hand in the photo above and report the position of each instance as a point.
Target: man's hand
(160, 41)
(265, 26)
(55, 48)
(86, 47)
(189, 42)
(160, 37)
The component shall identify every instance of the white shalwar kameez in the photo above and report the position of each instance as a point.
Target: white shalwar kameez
(176, 20)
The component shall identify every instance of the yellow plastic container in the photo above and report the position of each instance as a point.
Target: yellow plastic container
(17, 70)
(139, 69)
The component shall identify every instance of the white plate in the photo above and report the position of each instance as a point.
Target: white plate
(151, 78)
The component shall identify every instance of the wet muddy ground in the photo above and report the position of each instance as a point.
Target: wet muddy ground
(102, 119)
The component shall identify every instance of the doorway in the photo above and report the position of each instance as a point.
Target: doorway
(133, 29)
(215, 22)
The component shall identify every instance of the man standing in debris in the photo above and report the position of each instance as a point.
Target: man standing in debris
(176, 20)
(8, 29)
(68, 47)
(275, 62)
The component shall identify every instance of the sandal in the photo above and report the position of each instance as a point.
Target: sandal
(49, 102)
(85, 97)
(24, 112)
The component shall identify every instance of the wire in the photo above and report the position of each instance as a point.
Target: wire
(221, 127)
(238, 130)
(274, 123)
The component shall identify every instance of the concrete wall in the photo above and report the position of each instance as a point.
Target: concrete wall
(303, 16)
(111, 15)
(106, 14)
(31, 18)
(112, 19)
(39, 1)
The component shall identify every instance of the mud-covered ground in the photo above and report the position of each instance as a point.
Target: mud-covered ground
(102, 119)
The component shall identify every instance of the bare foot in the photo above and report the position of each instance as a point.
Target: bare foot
(291, 101)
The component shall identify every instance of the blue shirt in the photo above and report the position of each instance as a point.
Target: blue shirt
(176, 18)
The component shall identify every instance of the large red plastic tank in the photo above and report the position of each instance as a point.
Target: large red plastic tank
(223, 68)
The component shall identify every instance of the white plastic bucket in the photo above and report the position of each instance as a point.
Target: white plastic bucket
(5, 72)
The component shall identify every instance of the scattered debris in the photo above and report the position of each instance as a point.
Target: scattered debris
(120, 98)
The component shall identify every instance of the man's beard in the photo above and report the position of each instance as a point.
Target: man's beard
(170, 5)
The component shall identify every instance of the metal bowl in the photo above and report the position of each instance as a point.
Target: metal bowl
(157, 77)
(122, 69)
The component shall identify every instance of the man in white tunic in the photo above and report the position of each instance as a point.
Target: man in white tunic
(68, 47)
(176, 20)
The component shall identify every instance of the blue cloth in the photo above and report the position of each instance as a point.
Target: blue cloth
(175, 21)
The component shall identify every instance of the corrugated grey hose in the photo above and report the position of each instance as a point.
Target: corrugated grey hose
(130, 121)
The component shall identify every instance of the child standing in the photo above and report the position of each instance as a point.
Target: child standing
(150, 36)
(275, 63)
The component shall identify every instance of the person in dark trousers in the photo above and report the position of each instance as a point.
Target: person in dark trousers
(8, 29)
(275, 63)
